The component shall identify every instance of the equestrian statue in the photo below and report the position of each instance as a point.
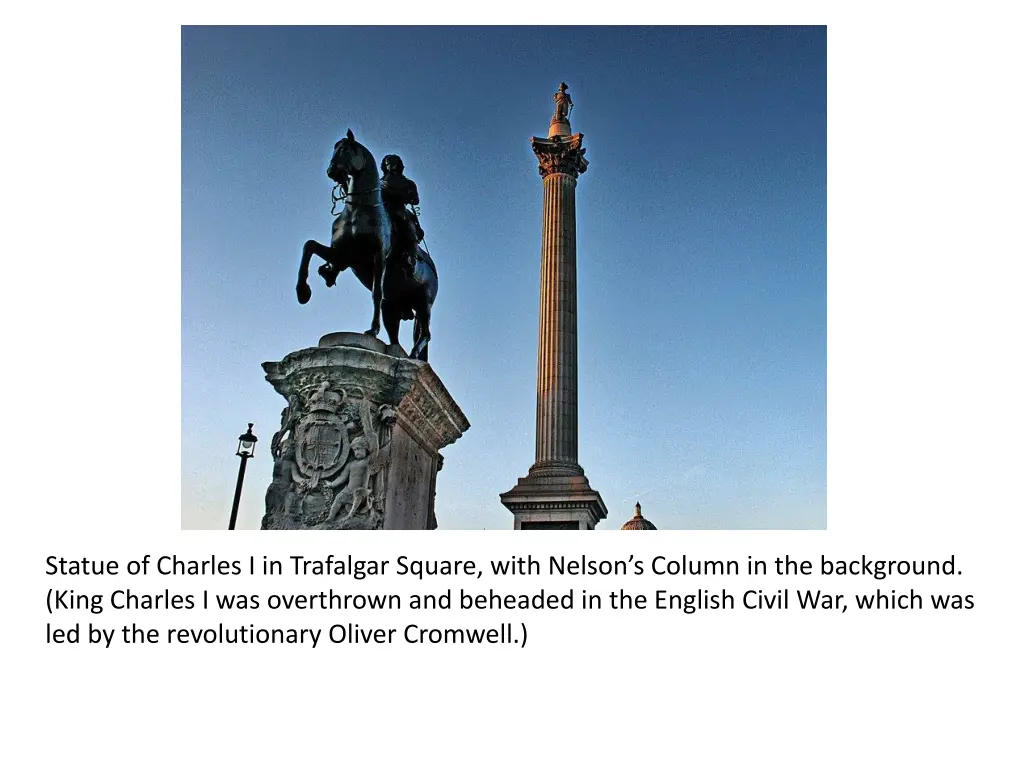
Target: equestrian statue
(378, 237)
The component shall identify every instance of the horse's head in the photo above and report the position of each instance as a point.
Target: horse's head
(350, 158)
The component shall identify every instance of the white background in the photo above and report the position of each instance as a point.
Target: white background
(924, 451)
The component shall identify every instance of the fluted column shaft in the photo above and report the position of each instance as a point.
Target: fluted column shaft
(557, 427)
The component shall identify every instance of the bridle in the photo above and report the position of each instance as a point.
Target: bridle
(341, 195)
(338, 195)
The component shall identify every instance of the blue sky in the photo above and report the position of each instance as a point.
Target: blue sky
(701, 252)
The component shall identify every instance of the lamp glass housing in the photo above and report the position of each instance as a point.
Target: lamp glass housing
(246, 444)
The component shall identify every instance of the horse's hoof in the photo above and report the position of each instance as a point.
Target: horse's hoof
(375, 332)
(329, 274)
(303, 292)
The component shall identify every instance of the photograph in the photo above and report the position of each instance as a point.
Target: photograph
(503, 277)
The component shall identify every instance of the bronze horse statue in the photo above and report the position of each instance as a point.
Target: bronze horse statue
(362, 239)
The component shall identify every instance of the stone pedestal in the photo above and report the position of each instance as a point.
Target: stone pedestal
(559, 127)
(360, 437)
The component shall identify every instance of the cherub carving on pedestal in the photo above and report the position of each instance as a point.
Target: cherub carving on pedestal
(357, 479)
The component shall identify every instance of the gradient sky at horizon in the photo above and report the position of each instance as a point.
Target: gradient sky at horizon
(701, 252)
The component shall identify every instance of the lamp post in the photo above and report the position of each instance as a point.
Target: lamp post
(246, 448)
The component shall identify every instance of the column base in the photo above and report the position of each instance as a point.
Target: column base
(542, 501)
(556, 469)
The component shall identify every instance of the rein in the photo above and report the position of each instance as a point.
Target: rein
(338, 194)
(341, 195)
(416, 212)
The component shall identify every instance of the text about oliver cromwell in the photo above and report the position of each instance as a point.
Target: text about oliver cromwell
(329, 600)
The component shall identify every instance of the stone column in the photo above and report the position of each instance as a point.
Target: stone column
(557, 432)
(556, 493)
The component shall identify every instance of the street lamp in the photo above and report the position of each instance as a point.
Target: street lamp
(246, 448)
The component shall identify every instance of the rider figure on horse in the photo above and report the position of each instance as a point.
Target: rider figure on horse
(396, 193)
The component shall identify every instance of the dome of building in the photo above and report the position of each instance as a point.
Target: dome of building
(639, 522)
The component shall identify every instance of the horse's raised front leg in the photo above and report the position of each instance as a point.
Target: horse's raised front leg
(311, 248)
(378, 293)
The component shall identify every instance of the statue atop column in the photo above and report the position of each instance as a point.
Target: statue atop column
(563, 108)
(563, 104)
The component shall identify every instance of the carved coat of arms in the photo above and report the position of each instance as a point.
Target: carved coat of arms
(322, 441)
(332, 452)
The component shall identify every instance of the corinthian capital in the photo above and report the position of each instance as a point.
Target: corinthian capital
(560, 155)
